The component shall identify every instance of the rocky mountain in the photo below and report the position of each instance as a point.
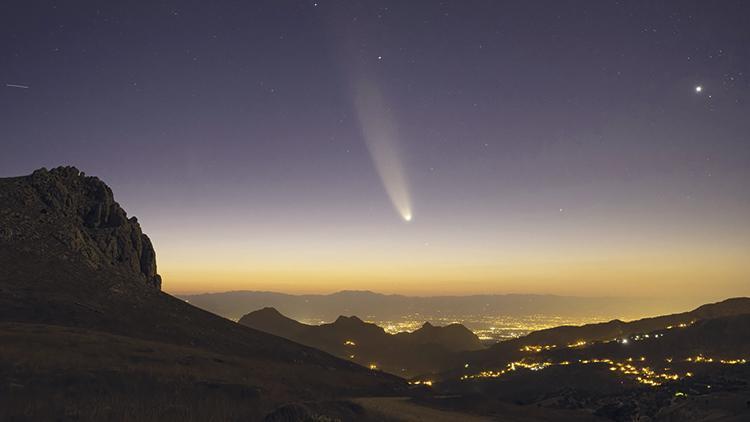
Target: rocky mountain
(425, 350)
(88, 334)
(80, 213)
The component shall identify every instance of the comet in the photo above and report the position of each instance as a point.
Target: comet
(381, 137)
(16, 86)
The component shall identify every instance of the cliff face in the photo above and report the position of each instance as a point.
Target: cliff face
(79, 212)
(78, 280)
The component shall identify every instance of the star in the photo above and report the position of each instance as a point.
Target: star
(699, 89)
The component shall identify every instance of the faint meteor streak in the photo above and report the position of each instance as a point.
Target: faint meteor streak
(380, 134)
(16, 86)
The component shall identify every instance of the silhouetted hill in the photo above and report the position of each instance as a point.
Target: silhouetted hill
(270, 317)
(453, 337)
(577, 337)
(563, 336)
(719, 337)
(650, 368)
(86, 330)
(423, 351)
(616, 328)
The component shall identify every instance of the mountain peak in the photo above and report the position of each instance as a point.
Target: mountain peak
(454, 336)
(348, 320)
(64, 207)
(268, 310)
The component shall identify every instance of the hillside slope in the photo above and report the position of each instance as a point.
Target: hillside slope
(76, 272)
(577, 336)
(694, 371)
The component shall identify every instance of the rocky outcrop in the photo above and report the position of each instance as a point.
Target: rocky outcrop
(80, 310)
(86, 219)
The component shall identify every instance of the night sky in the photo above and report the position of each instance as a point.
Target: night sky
(587, 148)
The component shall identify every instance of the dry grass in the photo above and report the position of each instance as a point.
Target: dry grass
(62, 373)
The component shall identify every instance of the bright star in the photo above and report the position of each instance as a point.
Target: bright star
(698, 88)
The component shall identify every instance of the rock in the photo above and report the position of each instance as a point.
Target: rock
(89, 221)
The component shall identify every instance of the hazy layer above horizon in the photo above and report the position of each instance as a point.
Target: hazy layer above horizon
(476, 311)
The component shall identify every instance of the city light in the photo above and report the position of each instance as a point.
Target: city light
(628, 367)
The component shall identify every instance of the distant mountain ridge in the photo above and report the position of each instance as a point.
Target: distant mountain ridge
(422, 351)
(370, 305)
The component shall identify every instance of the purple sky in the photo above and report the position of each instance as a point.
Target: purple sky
(545, 146)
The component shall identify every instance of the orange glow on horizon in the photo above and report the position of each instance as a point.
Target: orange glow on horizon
(625, 277)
